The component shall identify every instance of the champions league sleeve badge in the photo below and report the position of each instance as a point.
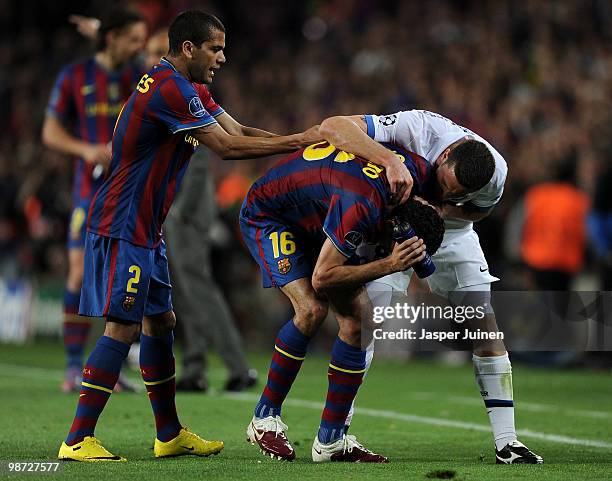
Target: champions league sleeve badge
(353, 239)
(196, 108)
(387, 120)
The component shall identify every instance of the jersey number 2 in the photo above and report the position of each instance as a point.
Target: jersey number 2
(134, 280)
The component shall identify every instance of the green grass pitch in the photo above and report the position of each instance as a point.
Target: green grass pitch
(566, 416)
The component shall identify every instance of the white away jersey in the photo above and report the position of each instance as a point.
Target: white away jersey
(428, 134)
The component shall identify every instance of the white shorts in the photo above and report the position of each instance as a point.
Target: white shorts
(460, 263)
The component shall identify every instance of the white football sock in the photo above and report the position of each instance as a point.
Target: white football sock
(494, 377)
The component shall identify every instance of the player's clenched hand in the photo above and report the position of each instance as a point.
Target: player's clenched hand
(311, 136)
(400, 181)
(97, 154)
(406, 254)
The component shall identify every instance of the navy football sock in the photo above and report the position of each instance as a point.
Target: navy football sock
(99, 377)
(345, 374)
(157, 369)
(76, 330)
(289, 352)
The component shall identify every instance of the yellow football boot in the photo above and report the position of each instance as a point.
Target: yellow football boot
(88, 450)
(186, 443)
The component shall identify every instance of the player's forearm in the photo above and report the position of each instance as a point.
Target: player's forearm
(345, 134)
(339, 277)
(56, 137)
(227, 146)
(233, 127)
(242, 147)
(253, 132)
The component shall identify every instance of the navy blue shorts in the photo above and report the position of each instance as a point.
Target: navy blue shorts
(282, 256)
(124, 281)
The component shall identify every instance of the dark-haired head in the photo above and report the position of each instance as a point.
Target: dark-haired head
(425, 221)
(194, 26)
(197, 40)
(123, 32)
(464, 168)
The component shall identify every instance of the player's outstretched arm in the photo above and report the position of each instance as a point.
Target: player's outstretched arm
(243, 147)
(349, 133)
(331, 273)
(233, 127)
(56, 137)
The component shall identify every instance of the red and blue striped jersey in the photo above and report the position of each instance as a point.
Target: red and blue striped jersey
(87, 99)
(151, 150)
(320, 191)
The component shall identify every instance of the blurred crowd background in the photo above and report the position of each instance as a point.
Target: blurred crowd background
(533, 77)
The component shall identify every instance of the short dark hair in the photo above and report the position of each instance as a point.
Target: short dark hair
(425, 221)
(474, 164)
(193, 25)
(116, 19)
